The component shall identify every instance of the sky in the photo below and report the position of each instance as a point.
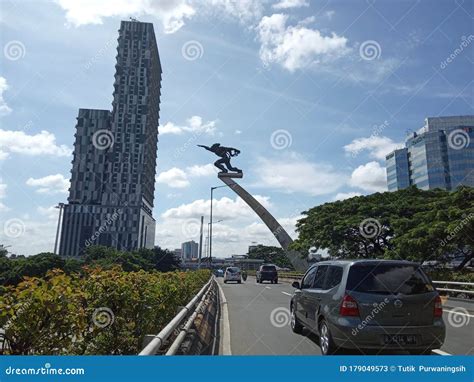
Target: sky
(314, 93)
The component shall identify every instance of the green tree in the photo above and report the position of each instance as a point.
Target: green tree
(409, 224)
(270, 254)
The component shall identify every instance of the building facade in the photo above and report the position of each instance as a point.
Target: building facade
(439, 155)
(189, 250)
(113, 169)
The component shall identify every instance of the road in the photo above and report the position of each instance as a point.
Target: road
(259, 322)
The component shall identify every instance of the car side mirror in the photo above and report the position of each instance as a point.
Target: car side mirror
(296, 285)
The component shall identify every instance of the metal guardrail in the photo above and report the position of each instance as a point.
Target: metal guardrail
(159, 340)
(454, 283)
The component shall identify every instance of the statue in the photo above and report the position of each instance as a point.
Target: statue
(225, 153)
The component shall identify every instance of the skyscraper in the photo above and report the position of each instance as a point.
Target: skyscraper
(439, 155)
(189, 250)
(113, 169)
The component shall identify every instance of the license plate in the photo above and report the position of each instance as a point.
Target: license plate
(398, 339)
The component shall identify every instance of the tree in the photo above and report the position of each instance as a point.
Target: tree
(410, 224)
(269, 254)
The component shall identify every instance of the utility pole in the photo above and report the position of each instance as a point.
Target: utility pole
(60, 206)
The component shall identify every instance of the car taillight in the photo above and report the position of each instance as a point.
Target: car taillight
(438, 307)
(349, 307)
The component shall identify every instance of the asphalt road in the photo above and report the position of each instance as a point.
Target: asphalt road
(259, 322)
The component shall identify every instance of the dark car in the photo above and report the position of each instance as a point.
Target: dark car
(267, 272)
(369, 304)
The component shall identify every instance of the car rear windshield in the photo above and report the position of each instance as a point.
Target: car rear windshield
(388, 279)
(232, 270)
(268, 268)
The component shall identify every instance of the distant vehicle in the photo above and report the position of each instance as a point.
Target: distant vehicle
(267, 272)
(219, 273)
(369, 304)
(232, 274)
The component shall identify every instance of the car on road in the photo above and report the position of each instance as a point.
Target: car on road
(267, 272)
(369, 305)
(219, 273)
(232, 274)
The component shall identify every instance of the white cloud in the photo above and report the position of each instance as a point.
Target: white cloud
(19, 142)
(378, 147)
(4, 108)
(224, 208)
(202, 170)
(172, 13)
(285, 4)
(194, 125)
(50, 212)
(369, 177)
(178, 178)
(295, 47)
(295, 174)
(174, 177)
(3, 194)
(346, 195)
(51, 184)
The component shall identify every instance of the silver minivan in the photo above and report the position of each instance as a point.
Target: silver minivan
(369, 304)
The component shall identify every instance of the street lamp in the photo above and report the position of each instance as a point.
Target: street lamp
(60, 206)
(210, 224)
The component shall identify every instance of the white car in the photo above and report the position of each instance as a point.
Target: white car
(232, 274)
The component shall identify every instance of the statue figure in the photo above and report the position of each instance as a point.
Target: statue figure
(225, 153)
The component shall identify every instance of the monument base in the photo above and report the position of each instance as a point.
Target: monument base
(230, 174)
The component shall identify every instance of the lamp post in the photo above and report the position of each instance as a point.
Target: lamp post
(60, 206)
(210, 224)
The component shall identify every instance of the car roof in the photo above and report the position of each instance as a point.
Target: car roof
(364, 261)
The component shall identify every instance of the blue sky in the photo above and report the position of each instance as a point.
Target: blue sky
(314, 94)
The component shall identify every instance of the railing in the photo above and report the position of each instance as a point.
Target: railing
(159, 340)
(449, 290)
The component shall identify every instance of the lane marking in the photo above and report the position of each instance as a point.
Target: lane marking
(268, 288)
(225, 327)
(456, 312)
(288, 294)
(440, 352)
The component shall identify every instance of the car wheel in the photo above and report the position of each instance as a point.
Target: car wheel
(276, 281)
(325, 339)
(239, 282)
(296, 327)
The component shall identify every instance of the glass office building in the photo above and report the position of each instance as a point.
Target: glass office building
(439, 155)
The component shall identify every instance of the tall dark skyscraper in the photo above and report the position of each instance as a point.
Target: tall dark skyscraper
(113, 169)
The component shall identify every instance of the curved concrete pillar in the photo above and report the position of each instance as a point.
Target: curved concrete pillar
(277, 230)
